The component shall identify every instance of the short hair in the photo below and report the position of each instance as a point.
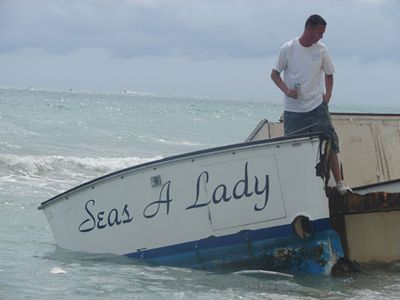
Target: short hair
(315, 20)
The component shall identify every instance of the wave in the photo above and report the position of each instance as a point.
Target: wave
(142, 94)
(61, 166)
(177, 142)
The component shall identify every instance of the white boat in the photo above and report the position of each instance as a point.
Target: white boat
(255, 204)
(367, 220)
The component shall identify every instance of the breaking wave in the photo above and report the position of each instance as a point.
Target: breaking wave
(177, 142)
(46, 176)
(61, 166)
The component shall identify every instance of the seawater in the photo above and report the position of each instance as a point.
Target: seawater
(51, 141)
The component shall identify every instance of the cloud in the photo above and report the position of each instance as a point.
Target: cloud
(197, 29)
(222, 48)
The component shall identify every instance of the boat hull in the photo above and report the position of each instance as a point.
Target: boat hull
(227, 206)
(274, 249)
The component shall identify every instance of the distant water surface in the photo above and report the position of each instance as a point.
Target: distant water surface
(51, 141)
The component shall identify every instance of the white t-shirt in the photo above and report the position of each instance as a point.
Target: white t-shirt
(304, 67)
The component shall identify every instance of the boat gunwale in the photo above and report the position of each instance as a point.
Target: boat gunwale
(377, 184)
(188, 155)
(364, 114)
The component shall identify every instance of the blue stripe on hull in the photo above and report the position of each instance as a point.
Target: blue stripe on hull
(275, 248)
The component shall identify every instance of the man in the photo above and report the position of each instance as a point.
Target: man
(307, 85)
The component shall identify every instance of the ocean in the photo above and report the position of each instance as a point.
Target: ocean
(51, 141)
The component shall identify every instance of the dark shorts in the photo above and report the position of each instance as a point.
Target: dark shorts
(316, 120)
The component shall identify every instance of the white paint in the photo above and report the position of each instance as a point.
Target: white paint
(293, 189)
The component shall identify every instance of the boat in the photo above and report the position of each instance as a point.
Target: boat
(368, 219)
(252, 205)
(365, 138)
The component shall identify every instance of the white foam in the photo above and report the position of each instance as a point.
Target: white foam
(55, 173)
(57, 270)
(37, 165)
(263, 272)
(178, 142)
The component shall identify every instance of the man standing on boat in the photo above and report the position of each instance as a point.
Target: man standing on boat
(307, 85)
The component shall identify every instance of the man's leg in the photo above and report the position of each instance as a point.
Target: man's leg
(335, 167)
(321, 114)
(293, 122)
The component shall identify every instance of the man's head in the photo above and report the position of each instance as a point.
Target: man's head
(314, 28)
(315, 20)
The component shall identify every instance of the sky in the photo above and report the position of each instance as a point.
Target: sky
(212, 48)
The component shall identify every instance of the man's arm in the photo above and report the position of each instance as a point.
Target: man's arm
(328, 88)
(277, 79)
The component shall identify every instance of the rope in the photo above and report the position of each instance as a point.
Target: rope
(322, 167)
(304, 128)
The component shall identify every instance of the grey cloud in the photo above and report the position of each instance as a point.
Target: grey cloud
(197, 29)
(192, 28)
(369, 30)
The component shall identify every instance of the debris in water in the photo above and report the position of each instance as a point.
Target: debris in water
(57, 270)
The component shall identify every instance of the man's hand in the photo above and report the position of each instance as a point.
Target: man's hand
(292, 93)
(326, 97)
(276, 77)
(328, 87)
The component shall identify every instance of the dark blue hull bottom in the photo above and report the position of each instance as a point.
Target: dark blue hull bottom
(274, 249)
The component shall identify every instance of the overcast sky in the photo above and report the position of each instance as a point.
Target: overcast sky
(215, 48)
